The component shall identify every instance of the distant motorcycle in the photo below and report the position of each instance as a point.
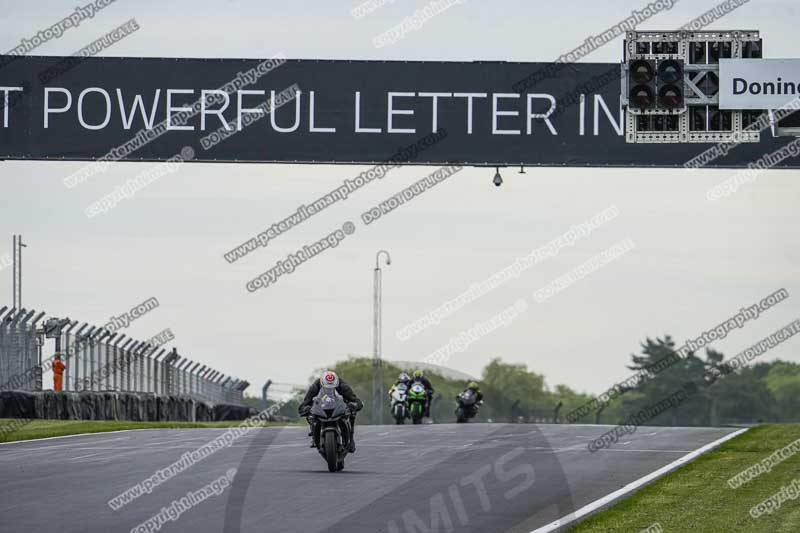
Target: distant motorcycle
(330, 426)
(417, 400)
(400, 403)
(467, 406)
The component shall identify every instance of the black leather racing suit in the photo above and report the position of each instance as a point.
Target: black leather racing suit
(348, 394)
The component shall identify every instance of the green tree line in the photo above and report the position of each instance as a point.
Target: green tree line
(762, 392)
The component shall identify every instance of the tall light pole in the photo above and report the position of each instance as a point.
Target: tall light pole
(17, 247)
(377, 374)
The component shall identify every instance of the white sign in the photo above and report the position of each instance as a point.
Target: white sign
(758, 83)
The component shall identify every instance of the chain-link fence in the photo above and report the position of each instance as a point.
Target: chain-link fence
(100, 360)
(20, 350)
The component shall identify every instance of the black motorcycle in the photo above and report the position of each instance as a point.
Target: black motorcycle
(467, 406)
(331, 428)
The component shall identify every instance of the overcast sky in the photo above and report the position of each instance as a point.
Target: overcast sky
(695, 263)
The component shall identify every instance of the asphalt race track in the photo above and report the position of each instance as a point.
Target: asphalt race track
(471, 477)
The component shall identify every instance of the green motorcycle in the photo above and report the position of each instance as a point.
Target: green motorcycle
(417, 399)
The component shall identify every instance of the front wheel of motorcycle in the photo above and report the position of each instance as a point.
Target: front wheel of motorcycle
(330, 451)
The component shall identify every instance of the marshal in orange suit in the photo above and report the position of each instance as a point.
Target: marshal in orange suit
(58, 373)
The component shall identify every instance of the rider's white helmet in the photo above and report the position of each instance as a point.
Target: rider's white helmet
(329, 380)
(404, 377)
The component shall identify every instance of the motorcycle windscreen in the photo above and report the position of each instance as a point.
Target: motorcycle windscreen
(325, 402)
(331, 402)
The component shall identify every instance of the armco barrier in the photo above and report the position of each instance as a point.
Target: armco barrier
(115, 406)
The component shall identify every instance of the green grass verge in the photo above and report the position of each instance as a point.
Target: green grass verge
(697, 498)
(25, 429)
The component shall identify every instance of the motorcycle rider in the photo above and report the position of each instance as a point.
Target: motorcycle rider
(419, 376)
(404, 379)
(473, 386)
(329, 379)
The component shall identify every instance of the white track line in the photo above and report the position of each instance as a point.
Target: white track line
(645, 451)
(24, 450)
(71, 459)
(630, 487)
(96, 433)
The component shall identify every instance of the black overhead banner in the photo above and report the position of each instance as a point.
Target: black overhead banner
(313, 111)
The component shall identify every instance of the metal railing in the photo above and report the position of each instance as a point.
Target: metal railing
(99, 360)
